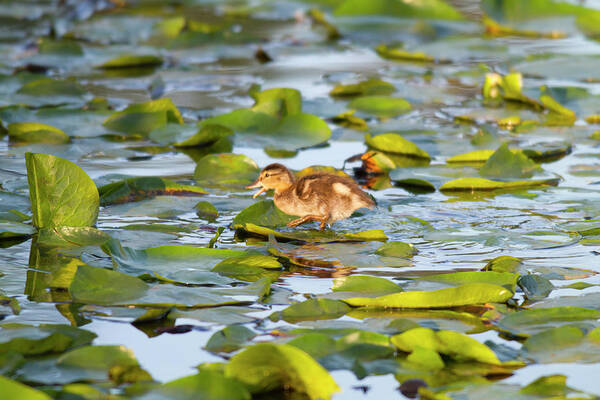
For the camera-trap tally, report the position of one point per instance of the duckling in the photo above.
(321, 197)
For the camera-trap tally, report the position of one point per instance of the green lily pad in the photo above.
(318, 237)
(136, 189)
(349, 120)
(132, 61)
(398, 53)
(527, 322)
(466, 294)
(381, 106)
(312, 309)
(35, 132)
(505, 163)
(505, 279)
(229, 339)
(266, 367)
(481, 184)
(477, 156)
(61, 193)
(370, 87)
(43, 339)
(52, 87)
(226, 170)
(435, 9)
(394, 143)
(101, 286)
(206, 210)
(208, 385)
(396, 249)
(16, 390)
(61, 47)
(365, 284)
(207, 134)
(144, 117)
(535, 287)
(263, 213)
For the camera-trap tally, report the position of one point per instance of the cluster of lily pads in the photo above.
(453, 284)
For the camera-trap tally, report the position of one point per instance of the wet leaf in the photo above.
(229, 339)
(206, 211)
(435, 9)
(381, 106)
(61, 193)
(132, 61)
(394, 143)
(226, 170)
(477, 156)
(349, 120)
(312, 309)
(101, 286)
(11, 230)
(207, 134)
(263, 213)
(535, 287)
(505, 163)
(477, 184)
(313, 236)
(34, 132)
(265, 367)
(136, 189)
(52, 87)
(466, 294)
(530, 321)
(15, 390)
(144, 117)
(278, 102)
(398, 53)
(396, 249)
(45, 338)
(504, 264)
(365, 284)
(370, 87)
(208, 385)
(553, 339)
(505, 279)
(253, 261)
(62, 47)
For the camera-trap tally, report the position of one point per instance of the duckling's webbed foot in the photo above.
(309, 218)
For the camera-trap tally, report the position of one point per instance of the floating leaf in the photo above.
(381, 106)
(265, 367)
(396, 249)
(226, 170)
(505, 279)
(52, 87)
(136, 189)
(349, 120)
(254, 261)
(394, 143)
(61, 47)
(312, 309)
(526, 322)
(467, 294)
(477, 156)
(61, 193)
(318, 18)
(476, 184)
(278, 102)
(208, 134)
(45, 338)
(370, 87)
(207, 385)
(365, 284)
(101, 286)
(132, 61)
(435, 9)
(317, 237)
(229, 339)
(144, 117)
(35, 132)
(206, 211)
(263, 213)
(12, 230)
(398, 53)
(16, 390)
(505, 163)
(535, 287)
(504, 264)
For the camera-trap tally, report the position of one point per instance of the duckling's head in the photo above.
(273, 176)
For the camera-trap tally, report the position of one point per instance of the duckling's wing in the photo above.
(310, 186)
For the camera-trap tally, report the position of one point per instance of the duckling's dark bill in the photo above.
(255, 185)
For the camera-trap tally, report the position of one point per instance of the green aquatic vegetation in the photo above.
(132, 61)
(370, 87)
(381, 106)
(34, 132)
(135, 189)
(396, 144)
(144, 117)
(226, 170)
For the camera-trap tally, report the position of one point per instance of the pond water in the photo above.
(206, 59)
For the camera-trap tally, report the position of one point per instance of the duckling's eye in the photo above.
(267, 175)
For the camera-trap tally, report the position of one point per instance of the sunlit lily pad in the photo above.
(226, 170)
(265, 367)
(312, 309)
(394, 143)
(304, 236)
(398, 53)
(369, 87)
(476, 184)
(144, 117)
(381, 106)
(435, 9)
(16, 390)
(505, 279)
(365, 284)
(34, 132)
(466, 294)
(132, 61)
(263, 213)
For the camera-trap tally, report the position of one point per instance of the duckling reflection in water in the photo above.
(321, 197)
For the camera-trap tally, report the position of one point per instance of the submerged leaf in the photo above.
(61, 193)
(505, 163)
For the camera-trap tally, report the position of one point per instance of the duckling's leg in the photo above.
(309, 218)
